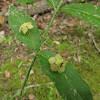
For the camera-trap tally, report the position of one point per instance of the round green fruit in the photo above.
(54, 67)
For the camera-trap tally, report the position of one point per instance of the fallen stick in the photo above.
(95, 44)
(33, 86)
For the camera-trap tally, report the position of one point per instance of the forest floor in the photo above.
(75, 39)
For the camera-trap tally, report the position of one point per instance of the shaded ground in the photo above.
(67, 34)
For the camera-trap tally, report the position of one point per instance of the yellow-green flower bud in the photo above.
(25, 27)
(24, 30)
(29, 25)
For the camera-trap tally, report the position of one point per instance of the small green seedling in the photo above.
(57, 63)
(25, 27)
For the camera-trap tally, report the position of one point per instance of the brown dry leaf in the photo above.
(31, 97)
(44, 75)
(2, 34)
(23, 78)
(7, 74)
(98, 3)
(62, 27)
(2, 20)
(9, 43)
(75, 58)
(30, 60)
(56, 42)
(11, 59)
(57, 38)
(31, 72)
(16, 98)
(64, 54)
(0, 85)
(79, 58)
(65, 37)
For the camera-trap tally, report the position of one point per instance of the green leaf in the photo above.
(53, 3)
(69, 83)
(24, 2)
(16, 18)
(87, 12)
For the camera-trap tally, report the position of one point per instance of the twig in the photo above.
(78, 44)
(95, 44)
(37, 85)
(91, 36)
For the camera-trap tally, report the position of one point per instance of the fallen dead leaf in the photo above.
(2, 20)
(9, 43)
(57, 38)
(7, 74)
(31, 72)
(2, 34)
(65, 37)
(79, 58)
(11, 59)
(64, 54)
(31, 97)
(56, 42)
(44, 75)
(0, 85)
(23, 78)
(75, 58)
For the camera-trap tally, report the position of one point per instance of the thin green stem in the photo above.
(27, 76)
(43, 39)
(45, 34)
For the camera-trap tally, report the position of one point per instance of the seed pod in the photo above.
(59, 60)
(57, 63)
(62, 67)
(52, 60)
(54, 67)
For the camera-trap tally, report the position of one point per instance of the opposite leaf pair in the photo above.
(57, 63)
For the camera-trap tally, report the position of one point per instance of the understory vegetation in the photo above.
(77, 46)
